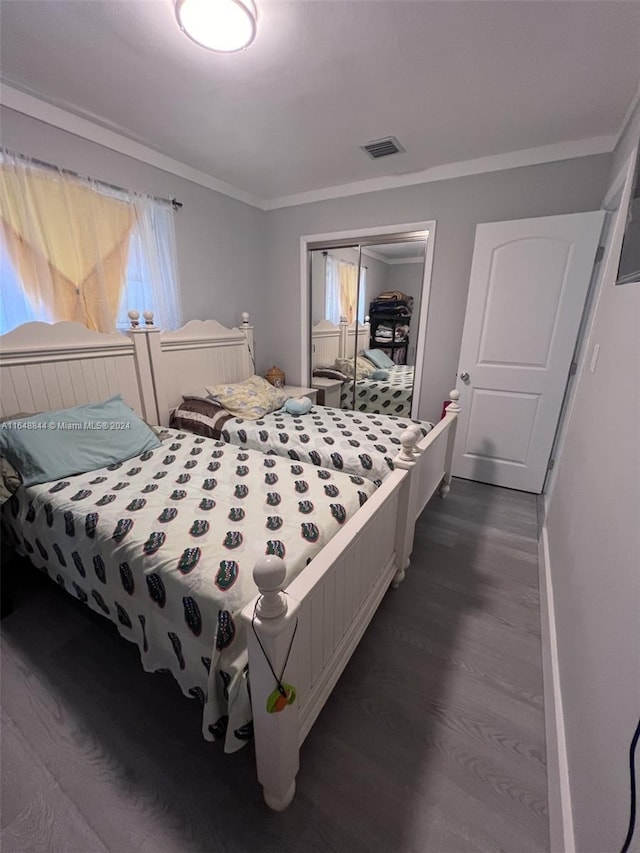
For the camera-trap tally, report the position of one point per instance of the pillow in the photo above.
(252, 399)
(203, 417)
(298, 405)
(58, 444)
(378, 358)
(380, 375)
(330, 373)
(363, 368)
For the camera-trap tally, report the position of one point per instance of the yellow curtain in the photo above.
(348, 276)
(68, 242)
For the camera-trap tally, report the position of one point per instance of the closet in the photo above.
(365, 294)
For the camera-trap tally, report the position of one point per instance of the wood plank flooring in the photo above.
(432, 741)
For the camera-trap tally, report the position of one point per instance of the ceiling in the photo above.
(453, 81)
(392, 253)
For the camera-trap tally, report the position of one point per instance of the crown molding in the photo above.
(49, 113)
(417, 260)
(493, 163)
(371, 253)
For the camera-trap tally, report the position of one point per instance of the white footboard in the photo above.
(329, 606)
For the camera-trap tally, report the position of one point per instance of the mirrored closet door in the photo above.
(365, 305)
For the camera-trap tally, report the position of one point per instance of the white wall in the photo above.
(593, 533)
(457, 206)
(220, 240)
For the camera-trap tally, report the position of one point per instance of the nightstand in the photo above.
(328, 391)
(300, 391)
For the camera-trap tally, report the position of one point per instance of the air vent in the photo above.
(382, 147)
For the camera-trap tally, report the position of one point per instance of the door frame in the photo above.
(425, 229)
(615, 203)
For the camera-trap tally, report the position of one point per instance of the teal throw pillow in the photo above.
(378, 358)
(84, 438)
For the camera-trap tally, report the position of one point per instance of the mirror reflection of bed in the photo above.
(365, 302)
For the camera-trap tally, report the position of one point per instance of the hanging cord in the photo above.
(632, 768)
(281, 689)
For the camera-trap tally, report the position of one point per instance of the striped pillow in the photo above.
(199, 416)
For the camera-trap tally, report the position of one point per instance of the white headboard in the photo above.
(201, 353)
(46, 366)
(325, 348)
(362, 332)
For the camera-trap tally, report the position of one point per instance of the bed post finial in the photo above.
(269, 574)
(454, 405)
(415, 429)
(406, 458)
(134, 318)
(148, 318)
(245, 318)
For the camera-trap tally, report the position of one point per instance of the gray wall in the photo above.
(594, 556)
(457, 206)
(220, 240)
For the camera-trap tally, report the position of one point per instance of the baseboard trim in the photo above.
(561, 834)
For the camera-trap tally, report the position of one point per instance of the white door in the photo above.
(528, 285)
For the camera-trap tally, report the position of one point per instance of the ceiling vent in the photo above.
(382, 147)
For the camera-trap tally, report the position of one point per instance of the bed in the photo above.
(307, 631)
(209, 353)
(390, 396)
(164, 546)
(360, 444)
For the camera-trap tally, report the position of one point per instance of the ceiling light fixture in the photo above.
(221, 25)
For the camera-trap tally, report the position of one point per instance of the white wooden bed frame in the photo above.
(46, 367)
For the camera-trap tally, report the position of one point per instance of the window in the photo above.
(73, 249)
(15, 308)
(341, 290)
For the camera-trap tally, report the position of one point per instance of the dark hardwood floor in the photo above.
(433, 739)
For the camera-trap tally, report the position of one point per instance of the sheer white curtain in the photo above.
(332, 289)
(152, 272)
(362, 295)
(72, 248)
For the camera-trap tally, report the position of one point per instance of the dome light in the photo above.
(221, 25)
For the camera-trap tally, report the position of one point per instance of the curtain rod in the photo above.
(325, 253)
(175, 204)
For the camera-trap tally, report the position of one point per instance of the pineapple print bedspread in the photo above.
(164, 545)
(390, 396)
(358, 443)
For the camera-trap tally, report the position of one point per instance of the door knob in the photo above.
(464, 376)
